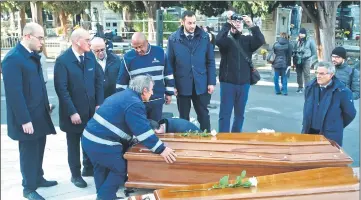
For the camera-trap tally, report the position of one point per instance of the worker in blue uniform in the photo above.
(173, 125)
(148, 59)
(121, 120)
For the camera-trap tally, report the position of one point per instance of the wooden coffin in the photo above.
(206, 159)
(331, 183)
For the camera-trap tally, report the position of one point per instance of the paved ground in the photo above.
(264, 110)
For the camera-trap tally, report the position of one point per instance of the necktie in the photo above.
(190, 37)
(81, 60)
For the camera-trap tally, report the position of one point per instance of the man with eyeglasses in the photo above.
(148, 59)
(28, 111)
(109, 62)
(347, 74)
(329, 106)
(78, 81)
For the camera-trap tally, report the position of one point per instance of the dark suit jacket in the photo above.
(26, 96)
(79, 88)
(196, 65)
(111, 74)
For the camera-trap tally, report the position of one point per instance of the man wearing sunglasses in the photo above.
(109, 62)
(28, 117)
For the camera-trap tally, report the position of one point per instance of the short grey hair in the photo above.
(140, 82)
(328, 65)
(77, 34)
(97, 40)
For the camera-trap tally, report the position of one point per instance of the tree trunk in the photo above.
(22, 19)
(151, 8)
(63, 21)
(127, 15)
(37, 12)
(327, 17)
(318, 41)
(12, 21)
(56, 21)
(324, 23)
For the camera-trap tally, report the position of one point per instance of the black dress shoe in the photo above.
(79, 182)
(87, 172)
(45, 183)
(33, 195)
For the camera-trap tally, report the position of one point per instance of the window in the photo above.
(107, 24)
(114, 24)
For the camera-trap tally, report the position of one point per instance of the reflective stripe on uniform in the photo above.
(98, 140)
(111, 127)
(121, 86)
(157, 145)
(146, 69)
(169, 89)
(145, 135)
(169, 77)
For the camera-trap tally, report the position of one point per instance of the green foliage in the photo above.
(207, 8)
(196, 133)
(169, 26)
(224, 182)
(13, 6)
(253, 8)
(138, 26)
(69, 7)
(117, 6)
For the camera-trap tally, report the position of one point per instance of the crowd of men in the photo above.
(108, 104)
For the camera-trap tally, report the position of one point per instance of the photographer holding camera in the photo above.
(304, 55)
(235, 68)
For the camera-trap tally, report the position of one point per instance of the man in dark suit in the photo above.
(109, 62)
(191, 56)
(27, 104)
(78, 81)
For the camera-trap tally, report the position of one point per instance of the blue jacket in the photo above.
(196, 65)
(337, 106)
(153, 63)
(178, 125)
(121, 117)
(111, 74)
(26, 95)
(79, 89)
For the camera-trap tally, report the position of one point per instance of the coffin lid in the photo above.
(306, 182)
(267, 148)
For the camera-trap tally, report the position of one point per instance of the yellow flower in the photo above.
(264, 51)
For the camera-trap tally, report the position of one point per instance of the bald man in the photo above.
(27, 104)
(109, 62)
(78, 81)
(148, 59)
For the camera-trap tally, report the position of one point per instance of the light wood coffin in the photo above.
(206, 159)
(331, 183)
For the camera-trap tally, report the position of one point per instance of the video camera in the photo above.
(236, 17)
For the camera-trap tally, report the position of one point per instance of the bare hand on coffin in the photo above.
(169, 155)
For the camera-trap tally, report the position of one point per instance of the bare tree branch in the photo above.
(308, 13)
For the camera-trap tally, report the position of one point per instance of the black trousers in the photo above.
(200, 103)
(73, 142)
(31, 162)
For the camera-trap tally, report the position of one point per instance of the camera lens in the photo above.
(236, 17)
